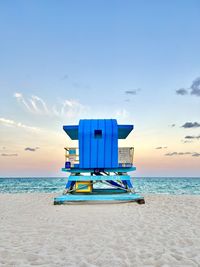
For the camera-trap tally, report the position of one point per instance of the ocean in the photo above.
(158, 185)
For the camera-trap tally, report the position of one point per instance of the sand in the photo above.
(163, 232)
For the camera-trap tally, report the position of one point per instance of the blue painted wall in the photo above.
(98, 143)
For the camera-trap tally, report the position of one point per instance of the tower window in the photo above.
(98, 133)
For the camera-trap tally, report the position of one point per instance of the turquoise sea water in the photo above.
(175, 186)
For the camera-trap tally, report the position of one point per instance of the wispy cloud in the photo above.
(194, 89)
(9, 155)
(68, 108)
(32, 149)
(39, 105)
(33, 104)
(191, 125)
(192, 137)
(161, 147)
(11, 123)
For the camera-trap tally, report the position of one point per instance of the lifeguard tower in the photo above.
(98, 167)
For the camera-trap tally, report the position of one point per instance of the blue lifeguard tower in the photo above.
(98, 167)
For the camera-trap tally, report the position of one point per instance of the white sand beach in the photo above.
(163, 232)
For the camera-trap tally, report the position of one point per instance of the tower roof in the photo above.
(72, 130)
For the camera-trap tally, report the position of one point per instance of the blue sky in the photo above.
(65, 60)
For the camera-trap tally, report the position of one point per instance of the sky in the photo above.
(137, 61)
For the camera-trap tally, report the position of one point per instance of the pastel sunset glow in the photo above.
(135, 61)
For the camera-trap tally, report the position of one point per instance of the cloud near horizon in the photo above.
(191, 125)
(196, 154)
(32, 149)
(192, 137)
(9, 155)
(186, 141)
(11, 123)
(193, 154)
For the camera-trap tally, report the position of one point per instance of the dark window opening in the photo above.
(98, 133)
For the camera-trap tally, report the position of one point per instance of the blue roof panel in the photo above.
(71, 131)
(124, 131)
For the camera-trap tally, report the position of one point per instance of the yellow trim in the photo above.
(83, 186)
